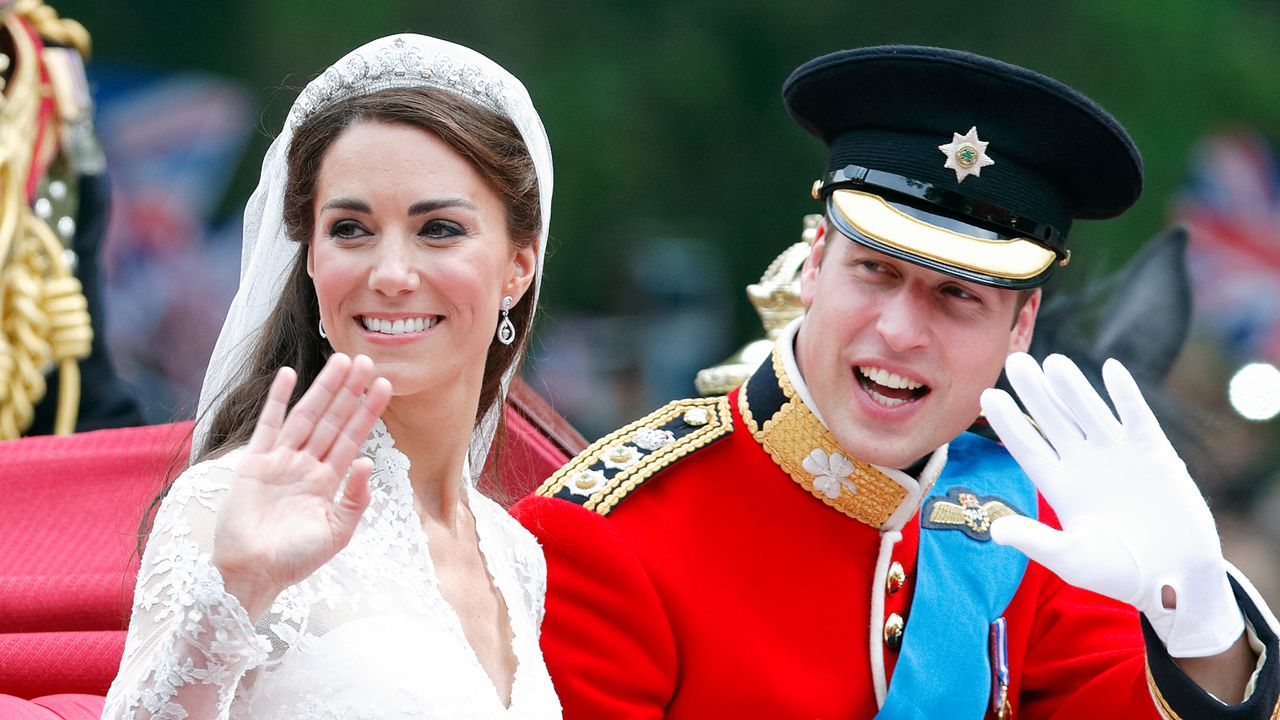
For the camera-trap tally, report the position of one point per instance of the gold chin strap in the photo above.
(44, 318)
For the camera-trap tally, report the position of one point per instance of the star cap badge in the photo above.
(966, 154)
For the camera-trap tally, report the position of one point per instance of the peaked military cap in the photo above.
(961, 163)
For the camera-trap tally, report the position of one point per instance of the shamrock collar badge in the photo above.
(966, 154)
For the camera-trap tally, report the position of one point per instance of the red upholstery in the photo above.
(69, 513)
(66, 706)
(68, 527)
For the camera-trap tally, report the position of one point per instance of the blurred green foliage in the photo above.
(665, 117)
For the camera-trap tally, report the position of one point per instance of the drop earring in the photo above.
(506, 330)
(323, 334)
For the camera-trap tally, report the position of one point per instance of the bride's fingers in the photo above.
(353, 435)
(344, 404)
(355, 498)
(273, 412)
(304, 416)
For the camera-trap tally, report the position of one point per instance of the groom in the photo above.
(827, 541)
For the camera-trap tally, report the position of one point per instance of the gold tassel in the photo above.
(44, 318)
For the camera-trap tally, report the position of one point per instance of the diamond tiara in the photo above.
(398, 65)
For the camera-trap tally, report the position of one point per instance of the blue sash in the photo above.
(962, 586)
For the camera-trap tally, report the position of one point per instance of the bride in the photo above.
(307, 564)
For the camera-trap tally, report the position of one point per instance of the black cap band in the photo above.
(978, 212)
(1008, 186)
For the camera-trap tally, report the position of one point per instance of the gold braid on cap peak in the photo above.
(44, 317)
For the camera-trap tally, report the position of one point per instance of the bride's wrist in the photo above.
(254, 591)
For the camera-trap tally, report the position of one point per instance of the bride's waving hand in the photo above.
(332, 557)
(283, 516)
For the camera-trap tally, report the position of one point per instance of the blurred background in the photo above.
(679, 177)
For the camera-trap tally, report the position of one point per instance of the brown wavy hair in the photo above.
(488, 139)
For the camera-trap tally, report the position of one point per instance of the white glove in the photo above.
(1133, 520)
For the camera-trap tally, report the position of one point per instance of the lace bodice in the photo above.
(368, 635)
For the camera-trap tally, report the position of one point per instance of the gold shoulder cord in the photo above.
(44, 318)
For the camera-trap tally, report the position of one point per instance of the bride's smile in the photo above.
(411, 256)
(328, 554)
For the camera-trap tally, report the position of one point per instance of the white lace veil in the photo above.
(404, 60)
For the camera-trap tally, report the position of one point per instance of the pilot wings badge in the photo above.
(961, 509)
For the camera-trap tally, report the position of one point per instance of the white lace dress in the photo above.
(368, 635)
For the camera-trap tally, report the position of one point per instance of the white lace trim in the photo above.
(192, 652)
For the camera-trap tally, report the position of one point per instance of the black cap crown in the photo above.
(945, 134)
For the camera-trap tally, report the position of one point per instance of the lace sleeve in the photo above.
(190, 642)
(537, 583)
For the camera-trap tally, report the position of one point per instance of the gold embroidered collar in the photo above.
(801, 445)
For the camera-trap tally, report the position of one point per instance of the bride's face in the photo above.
(411, 256)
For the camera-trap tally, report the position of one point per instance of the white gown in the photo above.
(367, 636)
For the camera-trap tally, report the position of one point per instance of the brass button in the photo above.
(896, 578)
(893, 627)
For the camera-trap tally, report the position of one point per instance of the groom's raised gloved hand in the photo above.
(1133, 520)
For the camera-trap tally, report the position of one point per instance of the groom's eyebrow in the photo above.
(427, 206)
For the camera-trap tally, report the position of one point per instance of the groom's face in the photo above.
(896, 355)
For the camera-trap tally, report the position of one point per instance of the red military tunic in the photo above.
(696, 570)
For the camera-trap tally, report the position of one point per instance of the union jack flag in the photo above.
(1231, 206)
